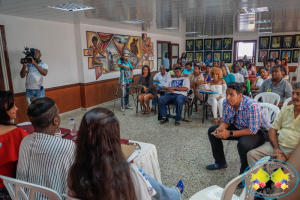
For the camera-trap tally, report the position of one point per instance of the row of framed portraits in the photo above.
(210, 56)
(290, 55)
(209, 44)
(279, 42)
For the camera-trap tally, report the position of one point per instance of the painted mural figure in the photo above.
(133, 46)
(96, 51)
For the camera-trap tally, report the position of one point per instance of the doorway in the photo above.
(171, 48)
(5, 75)
(245, 47)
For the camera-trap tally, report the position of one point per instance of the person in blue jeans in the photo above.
(34, 72)
(126, 73)
(177, 93)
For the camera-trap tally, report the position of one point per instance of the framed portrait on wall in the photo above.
(287, 54)
(190, 56)
(207, 44)
(276, 42)
(264, 42)
(287, 41)
(217, 56)
(274, 55)
(295, 55)
(297, 41)
(227, 43)
(227, 56)
(189, 45)
(262, 55)
(198, 44)
(218, 44)
(199, 57)
(207, 57)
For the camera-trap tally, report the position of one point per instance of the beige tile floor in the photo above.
(183, 151)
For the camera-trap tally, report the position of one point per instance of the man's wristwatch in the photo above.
(230, 134)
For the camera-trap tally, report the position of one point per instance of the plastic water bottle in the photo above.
(73, 127)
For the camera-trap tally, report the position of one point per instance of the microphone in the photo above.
(32, 99)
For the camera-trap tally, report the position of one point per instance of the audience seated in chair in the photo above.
(197, 84)
(288, 123)
(216, 85)
(242, 69)
(251, 71)
(260, 79)
(109, 176)
(188, 69)
(206, 74)
(277, 85)
(285, 75)
(244, 121)
(10, 139)
(161, 79)
(45, 159)
(228, 78)
(239, 78)
(177, 93)
(148, 91)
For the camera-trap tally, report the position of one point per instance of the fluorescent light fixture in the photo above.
(136, 21)
(171, 28)
(260, 22)
(263, 28)
(202, 35)
(71, 7)
(265, 32)
(253, 10)
(190, 32)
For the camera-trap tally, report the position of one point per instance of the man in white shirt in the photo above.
(34, 72)
(239, 78)
(177, 88)
(159, 80)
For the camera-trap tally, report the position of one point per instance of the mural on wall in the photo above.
(104, 51)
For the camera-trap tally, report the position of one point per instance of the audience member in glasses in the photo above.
(10, 140)
(109, 176)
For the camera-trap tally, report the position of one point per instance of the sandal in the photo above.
(181, 186)
(147, 111)
(143, 111)
(216, 122)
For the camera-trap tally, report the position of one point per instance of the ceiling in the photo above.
(206, 17)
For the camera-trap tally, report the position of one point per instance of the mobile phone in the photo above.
(64, 134)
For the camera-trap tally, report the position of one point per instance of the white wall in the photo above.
(56, 42)
(89, 74)
(252, 36)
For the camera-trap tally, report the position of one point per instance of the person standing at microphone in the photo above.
(34, 72)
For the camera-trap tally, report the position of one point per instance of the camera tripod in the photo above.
(123, 87)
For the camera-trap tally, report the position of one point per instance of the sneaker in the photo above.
(164, 120)
(240, 185)
(128, 107)
(122, 109)
(216, 166)
(177, 123)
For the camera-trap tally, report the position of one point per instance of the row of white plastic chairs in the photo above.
(16, 189)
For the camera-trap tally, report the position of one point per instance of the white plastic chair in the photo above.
(15, 189)
(292, 75)
(270, 111)
(24, 123)
(217, 193)
(268, 97)
(286, 102)
(69, 198)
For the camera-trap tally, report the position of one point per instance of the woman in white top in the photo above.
(264, 75)
(100, 170)
(217, 84)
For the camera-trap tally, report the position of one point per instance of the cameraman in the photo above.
(34, 73)
(127, 70)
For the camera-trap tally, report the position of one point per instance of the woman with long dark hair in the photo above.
(285, 65)
(148, 91)
(183, 58)
(10, 138)
(100, 170)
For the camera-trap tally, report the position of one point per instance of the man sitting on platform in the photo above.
(243, 121)
(177, 88)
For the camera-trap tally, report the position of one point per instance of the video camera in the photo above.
(29, 52)
(122, 60)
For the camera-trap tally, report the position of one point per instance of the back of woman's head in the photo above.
(6, 103)
(100, 170)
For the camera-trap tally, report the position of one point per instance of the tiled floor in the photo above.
(183, 151)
